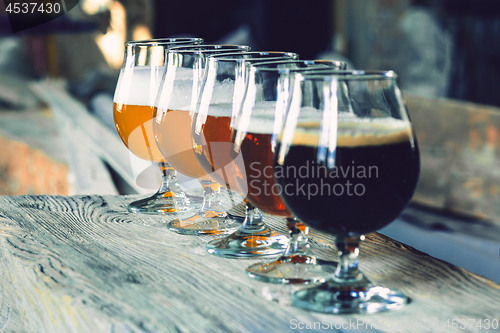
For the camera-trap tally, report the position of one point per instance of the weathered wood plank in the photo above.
(83, 263)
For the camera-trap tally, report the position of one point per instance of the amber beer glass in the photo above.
(175, 105)
(256, 128)
(133, 103)
(220, 99)
(348, 144)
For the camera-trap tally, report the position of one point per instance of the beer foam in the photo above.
(181, 99)
(183, 73)
(221, 97)
(180, 96)
(138, 86)
(220, 110)
(357, 132)
(261, 119)
(186, 83)
(224, 91)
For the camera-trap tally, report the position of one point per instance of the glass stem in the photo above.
(253, 224)
(168, 178)
(347, 271)
(211, 201)
(298, 244)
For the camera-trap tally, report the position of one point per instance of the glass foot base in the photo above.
(295, 269)
(211, 223)
(331, 297)
(163, 203)
(238, 245)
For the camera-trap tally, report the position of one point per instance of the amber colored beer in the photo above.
(257, 154)
(134, 124)
(212, 149)
(173, 136)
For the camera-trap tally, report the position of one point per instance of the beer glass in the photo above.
(348, 164)
(256, 128)
(220, 100)
(135, 95)
(176, 101)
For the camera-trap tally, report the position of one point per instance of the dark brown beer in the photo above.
(374, 176)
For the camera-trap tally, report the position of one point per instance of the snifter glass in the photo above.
(133, 102)
(175, 105)
(351, 132)
(255, 135)
(220, 100)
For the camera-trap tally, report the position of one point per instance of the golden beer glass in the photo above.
(133, 102)
(176, 102)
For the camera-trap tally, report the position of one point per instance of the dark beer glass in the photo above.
(347, 162)
(255, 133)
(220, 100)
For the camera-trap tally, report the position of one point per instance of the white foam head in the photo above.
(220, 110)
(217, 99)
(182, 96)
(179, 90)
(221, 92)
(261, 119)
(138, 85)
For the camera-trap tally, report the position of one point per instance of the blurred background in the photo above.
(440, 48)
(57, 82)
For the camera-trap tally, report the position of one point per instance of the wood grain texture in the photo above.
(84, 264)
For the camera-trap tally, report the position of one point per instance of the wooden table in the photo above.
(84, 264)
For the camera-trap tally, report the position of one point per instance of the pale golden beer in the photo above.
(173, 136)
(133, 110)
(135, 96)
(177, 99)
(134, 125)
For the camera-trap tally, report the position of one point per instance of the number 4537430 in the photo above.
(33, 8)
(472, 323)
